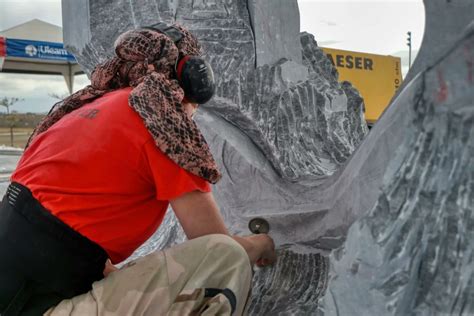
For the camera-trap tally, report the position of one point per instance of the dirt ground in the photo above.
(17, 137)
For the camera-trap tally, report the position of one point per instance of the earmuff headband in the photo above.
(180, 66)
(194, 74)
(169, 30)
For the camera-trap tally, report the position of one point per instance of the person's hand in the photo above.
(260, 249)
(268, 254)
(109, 268)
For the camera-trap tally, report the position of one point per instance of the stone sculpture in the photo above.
(412, 253)
(280, 125)
(282, 129)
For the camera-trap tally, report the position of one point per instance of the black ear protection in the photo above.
(194, 74)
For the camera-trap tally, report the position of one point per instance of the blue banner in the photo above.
(37, 50)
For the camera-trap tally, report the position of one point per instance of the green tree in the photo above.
(8, 102)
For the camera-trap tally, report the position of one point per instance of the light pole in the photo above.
(409, 49)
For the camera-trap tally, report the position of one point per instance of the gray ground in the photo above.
(8, 161)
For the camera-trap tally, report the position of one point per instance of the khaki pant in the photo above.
(171, 282)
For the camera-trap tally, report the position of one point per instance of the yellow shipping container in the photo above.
(377, 77)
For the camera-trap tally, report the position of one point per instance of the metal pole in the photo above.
(409, 49)
(409, 58)
(11, 135)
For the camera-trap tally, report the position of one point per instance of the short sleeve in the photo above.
(171, 180)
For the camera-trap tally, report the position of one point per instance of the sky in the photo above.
(371, 26)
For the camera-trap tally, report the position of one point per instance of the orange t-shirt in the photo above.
(99, 171)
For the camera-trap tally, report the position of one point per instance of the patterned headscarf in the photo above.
(145, 60)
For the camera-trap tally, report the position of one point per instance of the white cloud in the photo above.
(16, 12)
(23, 84)
(36, 90)
(328, 23)
(378, 27)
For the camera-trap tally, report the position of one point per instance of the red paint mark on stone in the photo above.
(469, 64)
(443, 88)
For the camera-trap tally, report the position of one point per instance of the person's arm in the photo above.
(199, 215)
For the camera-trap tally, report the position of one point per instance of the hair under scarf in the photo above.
(145, 60)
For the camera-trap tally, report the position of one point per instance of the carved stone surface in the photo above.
(276, 28)
(282, 134)
(279, 126)
(413, 252)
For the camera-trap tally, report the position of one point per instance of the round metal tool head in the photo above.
(259, 226)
